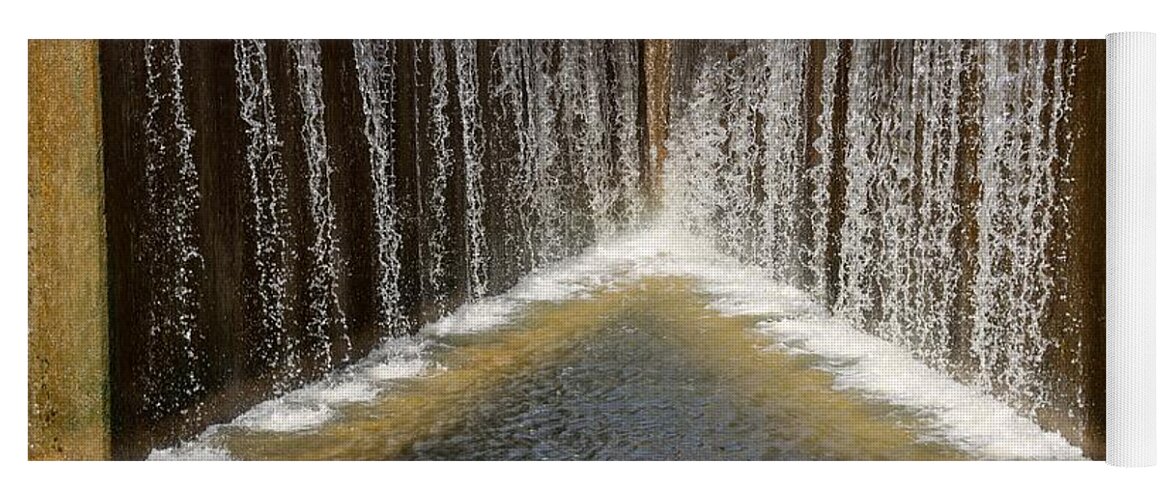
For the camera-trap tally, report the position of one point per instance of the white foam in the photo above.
(960, 415)
(195, 450)
(486, 314)
(283, 416)
(317, 403)
(406, 369)
(965, 417)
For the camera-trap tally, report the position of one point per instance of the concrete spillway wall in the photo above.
(947, 195)
(68, 397)
(276, 209)
(215, 222)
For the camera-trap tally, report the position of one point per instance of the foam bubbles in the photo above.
(957, 414)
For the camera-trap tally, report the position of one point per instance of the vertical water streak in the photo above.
(879, 176)
(541, 108)
(424, 262)
(695, 147)
(936, 272)
(783, 156)
(1015, 167)
(573, 167)
(172, 249)
(522, 184)
(736, 175)
(738, 163)
(625, 126)
(592, 137)
(268, 189)
(472, 127)
(895, 181)
(1062, 131)
(324, 307)
(819, 176)
(438, 131)
(373, 60)
(858, 264)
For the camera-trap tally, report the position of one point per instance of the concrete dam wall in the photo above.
(277, 208)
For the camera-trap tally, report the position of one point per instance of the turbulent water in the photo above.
(518, 154)
(855, 275)
(911, 186)
(641, 348)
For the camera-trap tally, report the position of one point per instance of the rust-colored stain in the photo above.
(658, 83)
(67, 390)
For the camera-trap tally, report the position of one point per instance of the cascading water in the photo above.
(325, 312)
(591, 143)
(510, 88)
(877, 224)
(758, 164)
(376, 81)
(935, 272)
(438, 220)
(817, 168)
(542, 115)
(624, 90)
(1020, 166)
(172, 257)
(416, 54)
(269, 194)
(336, 169)
(781, 158)
(739, 174)
(918, 190)
(473, 131)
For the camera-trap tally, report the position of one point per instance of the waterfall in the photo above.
(472, 133)
(331, 203)
(508, 89)
(925, 191)
(1020, 166)
(376, 81)
(590, 137)
(172, 260)
(426, 287)
(324, 310)
(573, 198)
(625, 124)
(542, 115)
(739, 173)
(935, 271)
(783, 159)
(438, 132)
(939, 139)
(695, 153)
(818, 172)
(872, 111)
(269, 198)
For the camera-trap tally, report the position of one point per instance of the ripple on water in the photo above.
(644, 373)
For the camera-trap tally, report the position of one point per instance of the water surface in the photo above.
(643, 372)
